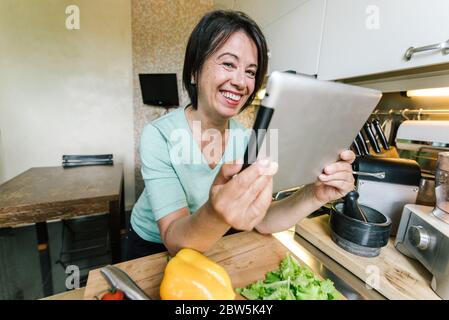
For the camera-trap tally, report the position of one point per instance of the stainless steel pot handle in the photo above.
(443, 46)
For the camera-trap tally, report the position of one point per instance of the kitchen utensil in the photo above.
(362, 143)
(119, 279)
(352, 208)
(380, 134)
(423, 236)
(351, 232)
(399, 186)
(441, 210)
(378, 175)
(372, 139)
(356, 148)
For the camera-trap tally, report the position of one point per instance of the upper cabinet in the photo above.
(365, 37)
(293, 29)
(294, 40)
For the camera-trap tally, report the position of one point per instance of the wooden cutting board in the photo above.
(246, 256)
(391, 273)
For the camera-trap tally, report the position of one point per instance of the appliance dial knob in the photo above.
(419, 237)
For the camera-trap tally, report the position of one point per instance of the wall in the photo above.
(160, 31)
(65, 91)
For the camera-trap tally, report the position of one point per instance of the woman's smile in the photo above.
(231, 98)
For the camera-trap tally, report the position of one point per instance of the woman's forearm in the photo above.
(285, 213)
(198, 231)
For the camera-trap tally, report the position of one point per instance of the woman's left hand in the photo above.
(336, 180)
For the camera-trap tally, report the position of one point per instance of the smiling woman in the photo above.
(193, 204)
(225, 65)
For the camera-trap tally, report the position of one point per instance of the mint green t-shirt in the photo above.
(175, 172)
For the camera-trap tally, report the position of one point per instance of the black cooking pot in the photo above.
(363, 238)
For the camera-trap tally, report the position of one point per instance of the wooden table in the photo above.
(55, 193)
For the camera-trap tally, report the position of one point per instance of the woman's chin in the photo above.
(228, 112)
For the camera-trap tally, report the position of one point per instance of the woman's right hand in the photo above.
(242, 199)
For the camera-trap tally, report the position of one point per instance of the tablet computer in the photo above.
(304, 124)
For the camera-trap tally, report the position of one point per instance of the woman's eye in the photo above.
(251, 73)
(228, 64)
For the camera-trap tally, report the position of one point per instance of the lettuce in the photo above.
(290, 282)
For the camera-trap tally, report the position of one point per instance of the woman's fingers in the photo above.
(254, 204)
(227, 171)
(263, 200)
(347, 156)
(341, 175)
(255, 189)
(338, 166)
(262, 167)
(343, 186)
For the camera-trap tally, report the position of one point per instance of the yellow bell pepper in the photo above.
(192, 276)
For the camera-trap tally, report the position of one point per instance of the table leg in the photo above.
(114, 228)
(44, 257)
(122, 207)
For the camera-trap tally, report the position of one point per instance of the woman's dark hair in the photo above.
(213, 30)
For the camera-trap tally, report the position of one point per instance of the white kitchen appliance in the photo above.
(424, 231)
(392, 183)
(422, 141)
(424, 237)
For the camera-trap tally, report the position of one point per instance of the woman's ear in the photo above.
(192, 80)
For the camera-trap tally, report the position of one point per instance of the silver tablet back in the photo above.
(312, 123)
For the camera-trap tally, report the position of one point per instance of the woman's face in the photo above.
(228, 76)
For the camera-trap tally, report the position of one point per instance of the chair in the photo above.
(85, 243)
(87, 160)
(85, 240)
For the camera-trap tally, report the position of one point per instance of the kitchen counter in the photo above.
(246, 256)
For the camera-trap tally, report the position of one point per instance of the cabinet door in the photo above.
(265, 12)
(363, 37)
(294, 39)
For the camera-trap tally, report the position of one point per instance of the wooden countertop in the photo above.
(246, 256)
(391, 273)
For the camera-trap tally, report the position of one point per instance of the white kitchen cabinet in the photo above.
(365, 37)
(293, 30)
(265, 12)
(294, 40)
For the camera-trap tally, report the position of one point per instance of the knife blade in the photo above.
(381, 134)
(371, 137)
(361, 141)
(119, 279)
(356, 148)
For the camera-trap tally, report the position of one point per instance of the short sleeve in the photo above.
(162, 185)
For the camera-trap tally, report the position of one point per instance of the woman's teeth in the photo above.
(231, 96)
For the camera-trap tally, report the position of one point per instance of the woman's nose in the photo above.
(238, 79)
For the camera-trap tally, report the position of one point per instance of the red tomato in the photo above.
(113, 294)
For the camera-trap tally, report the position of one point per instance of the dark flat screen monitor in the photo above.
(159, 89)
